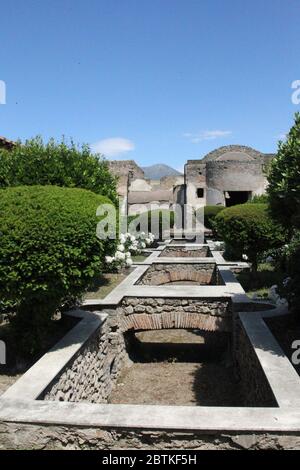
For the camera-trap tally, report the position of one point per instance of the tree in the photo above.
(284, 180)
(52, 163)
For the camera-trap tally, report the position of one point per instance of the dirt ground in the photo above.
(6, 381)
(175, 367)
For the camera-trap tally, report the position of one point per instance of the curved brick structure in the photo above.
(157, 314)
(160, 274)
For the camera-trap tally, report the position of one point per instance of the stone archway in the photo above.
(140, 314)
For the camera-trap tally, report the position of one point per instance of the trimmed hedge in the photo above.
(210, 212)
(249, 229)
(49, 254)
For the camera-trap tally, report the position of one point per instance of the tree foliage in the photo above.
(284, 179)
(60, 164)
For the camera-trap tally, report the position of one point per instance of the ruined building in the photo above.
(226, 176)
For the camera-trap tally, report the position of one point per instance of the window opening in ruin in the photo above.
(200, 192)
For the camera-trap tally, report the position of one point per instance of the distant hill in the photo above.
(155, 172)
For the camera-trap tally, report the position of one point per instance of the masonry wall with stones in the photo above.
(177, 252)
(19, 436)
(92, 373)
(224, 176)
(182, 241)
(94, 370)
(229, 168)
(254, 386)
(201, 274)
(125, 171)
(147, 313)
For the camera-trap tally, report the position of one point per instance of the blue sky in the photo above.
(152, 80)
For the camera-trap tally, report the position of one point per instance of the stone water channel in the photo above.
(179, 331)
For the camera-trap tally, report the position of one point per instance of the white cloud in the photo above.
(206, 135)
(113, 146)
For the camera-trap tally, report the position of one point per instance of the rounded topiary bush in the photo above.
(210, 212)
(249, 229)
(49, 254)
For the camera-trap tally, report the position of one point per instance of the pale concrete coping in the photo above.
(187, 246)
(172, 418)
(189, 292)
(221, 261)
(183, 260)
(128, 288)
(280, 374)
(44, 371)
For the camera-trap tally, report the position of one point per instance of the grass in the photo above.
(258, 284)
(139, 258)
(105, 284)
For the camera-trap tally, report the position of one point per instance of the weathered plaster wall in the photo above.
(195, 177)
(124, 170)
(233, 176)
(230, 168)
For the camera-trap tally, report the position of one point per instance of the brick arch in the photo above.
(173, 320)
(151, 313)
(158, 278)
(198, 277)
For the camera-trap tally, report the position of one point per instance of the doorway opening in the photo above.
(232, 198)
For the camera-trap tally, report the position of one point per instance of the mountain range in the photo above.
(155, 172)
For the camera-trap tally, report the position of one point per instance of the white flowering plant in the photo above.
(129, 245)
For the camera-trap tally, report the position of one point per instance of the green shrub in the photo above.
(37, 163)
(210, 212)
(248, 229)
(290, 260)
(49, 254)
(152, 221)
(284, 180)
(261, 199)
